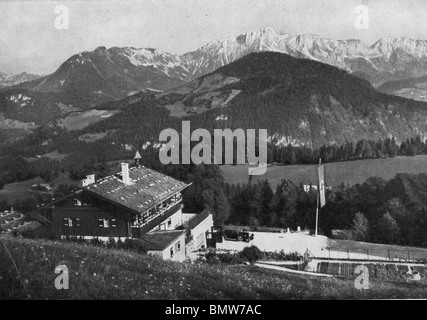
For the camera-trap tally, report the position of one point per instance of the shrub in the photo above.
(251, 254)
(80, 240)
(15, 233)
(291, 256)
(111, 243)
(96, 242)
(210, 255)
(132, 245)
(230, 258)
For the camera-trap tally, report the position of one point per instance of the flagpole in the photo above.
(317, 203)
(317, 212)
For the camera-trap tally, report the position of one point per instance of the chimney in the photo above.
(125, 173)
(89, 180)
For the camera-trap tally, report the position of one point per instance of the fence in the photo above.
(373, 254)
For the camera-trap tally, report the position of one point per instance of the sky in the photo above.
(30, 42)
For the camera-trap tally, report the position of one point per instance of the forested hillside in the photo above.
(390, 212)
(310, 109)
(298, 101)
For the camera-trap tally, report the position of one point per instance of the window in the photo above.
(77, 202)
(107, 223)
(67, 222)
(171, 252)
(71, 222)
(169, 222)
(178, 246)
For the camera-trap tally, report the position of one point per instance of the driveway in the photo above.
(274, 241)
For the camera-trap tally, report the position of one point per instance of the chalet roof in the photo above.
(160, 240)
(146, 189)
(199, 218)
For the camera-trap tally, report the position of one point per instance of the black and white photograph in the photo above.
(236, 151)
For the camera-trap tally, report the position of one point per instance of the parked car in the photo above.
(238, 235)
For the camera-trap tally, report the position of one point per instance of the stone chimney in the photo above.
(89, 180)
(125, 173)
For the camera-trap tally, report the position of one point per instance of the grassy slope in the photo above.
(20, 190)
(349, 172)
(98, 273)
(80, 120)
(54, 155)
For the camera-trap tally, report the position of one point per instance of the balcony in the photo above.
(142, 221)
(138, 231)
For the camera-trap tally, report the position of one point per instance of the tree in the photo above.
(293, 158)
(367, 151)
(209, 198)
(388, 230)
(359, 231)
(221, 207)
(264, 196)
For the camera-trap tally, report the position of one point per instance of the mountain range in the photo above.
(88, 79)
(9, 79)
(387, 59)
(299, 101)
(116, 72)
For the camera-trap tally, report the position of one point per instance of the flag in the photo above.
(321, 185)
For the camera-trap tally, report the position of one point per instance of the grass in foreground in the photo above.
(100, 273)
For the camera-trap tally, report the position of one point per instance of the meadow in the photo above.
(347, 172)
(21, 190)
(82, 119)
(102, 273)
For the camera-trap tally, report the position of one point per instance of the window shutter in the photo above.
(65, 222)
(113, 223)
(100, 223)
(78, 222)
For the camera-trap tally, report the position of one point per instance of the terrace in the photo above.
(158, 210)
